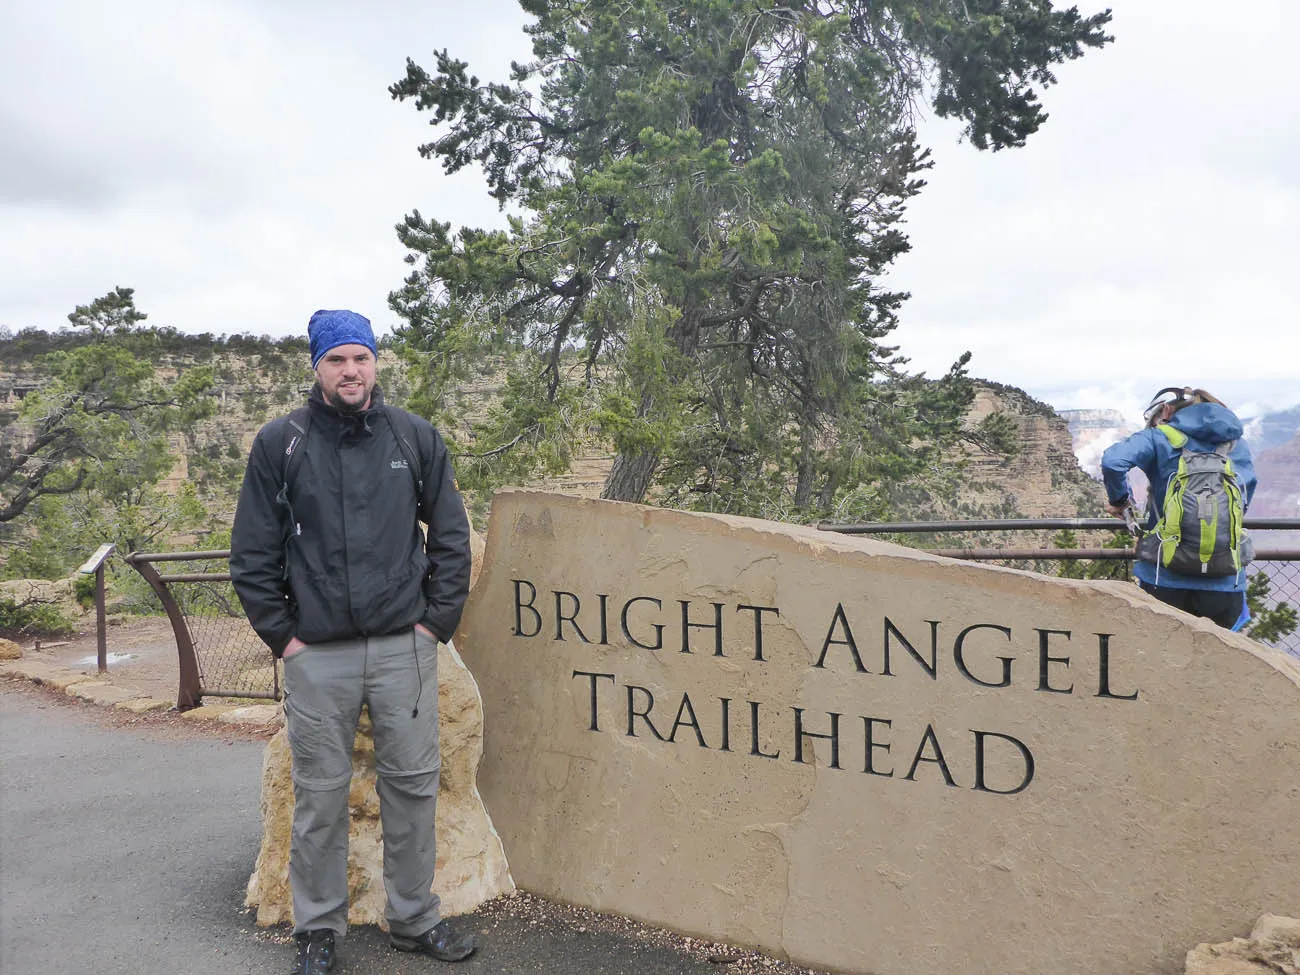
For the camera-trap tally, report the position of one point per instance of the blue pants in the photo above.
(396, 677)
(1224, 608)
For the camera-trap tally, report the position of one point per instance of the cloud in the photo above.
(1154, 221)
(35, 168)
(241, 163)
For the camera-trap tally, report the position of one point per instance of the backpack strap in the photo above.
(1177, 439)
(294, 432)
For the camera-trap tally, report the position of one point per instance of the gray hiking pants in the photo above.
(325, 685)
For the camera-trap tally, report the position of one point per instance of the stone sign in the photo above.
(862, 757)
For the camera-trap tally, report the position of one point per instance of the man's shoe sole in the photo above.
(411, 945)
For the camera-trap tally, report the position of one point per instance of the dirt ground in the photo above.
(141, 653)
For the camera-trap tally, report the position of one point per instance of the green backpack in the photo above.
(1200, 532)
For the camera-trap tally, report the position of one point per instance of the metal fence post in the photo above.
(189, 693)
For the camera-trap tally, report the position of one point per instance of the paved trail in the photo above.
(124, 850)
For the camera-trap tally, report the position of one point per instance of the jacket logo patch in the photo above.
(399, 465)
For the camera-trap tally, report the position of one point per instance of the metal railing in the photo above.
(1281, 564)
(1023, 524)
(219, 654)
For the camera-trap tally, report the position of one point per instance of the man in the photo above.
(337, 579)
(1179, 418)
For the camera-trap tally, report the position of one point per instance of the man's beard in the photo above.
(339, 403)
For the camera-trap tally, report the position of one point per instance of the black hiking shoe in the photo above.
(442, 941)
(315, 952)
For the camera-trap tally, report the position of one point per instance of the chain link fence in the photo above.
(232, 659)
(1284, 588)
(220, 655)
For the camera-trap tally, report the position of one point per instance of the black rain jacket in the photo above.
(358, 564)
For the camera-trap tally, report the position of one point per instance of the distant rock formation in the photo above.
(1275, 429)
(1278, 493)
(1093, 431)
(1278, 470)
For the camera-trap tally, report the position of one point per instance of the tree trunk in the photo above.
(629, 478)
(803, 489)
(827, 494)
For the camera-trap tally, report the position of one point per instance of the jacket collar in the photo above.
(345, 422)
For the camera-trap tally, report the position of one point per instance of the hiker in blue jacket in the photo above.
(1178, 419)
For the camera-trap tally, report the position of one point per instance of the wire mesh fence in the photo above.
(221, 655)
(232, 659)
(1284, 589)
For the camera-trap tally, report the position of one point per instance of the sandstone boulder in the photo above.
(866, 758)
(1273, 948)
(58, 592)
(1274, 927)
(471, 867)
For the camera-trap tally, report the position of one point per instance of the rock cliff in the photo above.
(257, 380)
(1043, 479)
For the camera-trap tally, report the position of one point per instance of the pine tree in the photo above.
(708, 193)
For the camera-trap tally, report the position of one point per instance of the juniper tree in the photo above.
(104, 416)
(705, 196)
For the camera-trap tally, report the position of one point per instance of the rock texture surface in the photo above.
(868, 758)
(471, 867)
(56, 592)
(1273, 948)
(1043, 480)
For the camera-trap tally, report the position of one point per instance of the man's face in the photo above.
(346, 374)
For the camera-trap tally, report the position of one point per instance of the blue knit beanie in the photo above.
(329, 329)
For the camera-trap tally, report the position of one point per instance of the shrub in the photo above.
(32, 619)
(83, 587)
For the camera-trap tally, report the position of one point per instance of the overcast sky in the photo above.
(240, 164)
